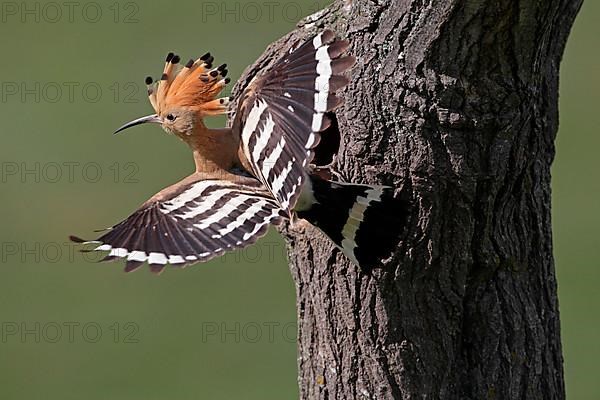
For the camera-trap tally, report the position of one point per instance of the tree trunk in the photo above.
(455, 104)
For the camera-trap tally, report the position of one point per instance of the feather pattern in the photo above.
(196, 85)
(283, 111)
(197, 222)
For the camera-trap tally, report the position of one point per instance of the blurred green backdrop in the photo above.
(71, 329)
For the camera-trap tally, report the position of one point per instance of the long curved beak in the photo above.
(154, 119)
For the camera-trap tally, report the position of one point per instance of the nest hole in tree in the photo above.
(329, 145)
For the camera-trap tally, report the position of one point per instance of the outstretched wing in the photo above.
(196, 223)
(282, 112)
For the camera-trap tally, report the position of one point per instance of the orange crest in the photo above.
(194, 86)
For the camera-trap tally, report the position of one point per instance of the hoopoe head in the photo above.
(185, 95)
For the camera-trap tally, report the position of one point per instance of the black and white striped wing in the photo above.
(282, 112)
(199, 222)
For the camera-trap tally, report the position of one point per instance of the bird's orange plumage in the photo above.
(195, 86)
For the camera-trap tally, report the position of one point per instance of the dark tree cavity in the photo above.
(455, 103)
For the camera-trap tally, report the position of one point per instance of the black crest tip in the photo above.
(189, 63)
(222, 67)
(169, 57)
(176, 59)
(227, 80)
(205, 57)
(149, 80)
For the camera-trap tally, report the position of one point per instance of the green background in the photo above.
(224, 330)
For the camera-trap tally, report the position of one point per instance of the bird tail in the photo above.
(364, 221)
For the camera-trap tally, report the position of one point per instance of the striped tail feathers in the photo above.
(365, 221)
(196, 85)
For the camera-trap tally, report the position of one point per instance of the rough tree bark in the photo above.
(454, 103)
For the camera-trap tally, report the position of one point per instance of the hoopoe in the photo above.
(256, 173)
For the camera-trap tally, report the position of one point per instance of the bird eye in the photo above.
(171, 117)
